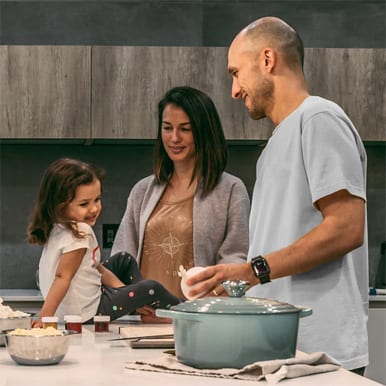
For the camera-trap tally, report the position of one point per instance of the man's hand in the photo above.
(209, 280)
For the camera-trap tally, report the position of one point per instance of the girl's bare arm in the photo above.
(67, 267)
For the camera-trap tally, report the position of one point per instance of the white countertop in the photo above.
(377, 298)
(94, 360)
(21, 295)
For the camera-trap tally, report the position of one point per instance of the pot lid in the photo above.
(235, 305)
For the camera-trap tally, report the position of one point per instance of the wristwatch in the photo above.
(261, 269)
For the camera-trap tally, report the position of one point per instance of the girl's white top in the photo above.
(84, 293)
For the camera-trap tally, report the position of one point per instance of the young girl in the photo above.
(72, 279)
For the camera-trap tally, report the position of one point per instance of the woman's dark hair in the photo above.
(209, 140)
(57, 189)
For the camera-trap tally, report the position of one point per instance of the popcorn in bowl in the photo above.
(10, 319)
(7, 312)
(36, 331)
(37, 346)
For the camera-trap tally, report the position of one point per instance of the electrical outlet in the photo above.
(109, 232)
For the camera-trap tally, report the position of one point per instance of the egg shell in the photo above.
(185, 288)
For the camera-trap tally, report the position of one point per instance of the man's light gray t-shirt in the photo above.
(314, 152)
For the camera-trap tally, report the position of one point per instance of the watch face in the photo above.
(261, 266)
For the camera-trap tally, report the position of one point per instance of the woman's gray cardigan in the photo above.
(220, 221)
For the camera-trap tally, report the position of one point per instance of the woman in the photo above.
(189, 212)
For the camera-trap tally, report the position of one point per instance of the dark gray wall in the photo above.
(329, 23)
(21, 167)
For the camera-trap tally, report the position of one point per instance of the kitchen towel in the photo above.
(273, 371)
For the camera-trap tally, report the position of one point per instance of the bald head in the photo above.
(275, 33)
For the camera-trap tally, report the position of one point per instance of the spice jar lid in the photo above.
(73, 318)
(101, 318)
(50, 319)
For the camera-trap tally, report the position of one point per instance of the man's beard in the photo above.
(261, 99)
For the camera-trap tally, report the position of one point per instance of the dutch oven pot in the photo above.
(219, 332)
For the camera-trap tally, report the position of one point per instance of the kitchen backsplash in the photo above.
(21, 167)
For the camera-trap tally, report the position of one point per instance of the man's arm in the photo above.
(341, 231)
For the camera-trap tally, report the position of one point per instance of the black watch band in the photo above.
(261, 269)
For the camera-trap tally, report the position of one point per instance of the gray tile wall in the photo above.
(21, 167)
(328, 23)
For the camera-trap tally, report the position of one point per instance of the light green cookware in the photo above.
(219, 332)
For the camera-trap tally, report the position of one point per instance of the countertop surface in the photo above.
(377, 298)
(94, 360)
(20, 295)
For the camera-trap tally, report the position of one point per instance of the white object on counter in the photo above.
(377, 291)
(376, 326)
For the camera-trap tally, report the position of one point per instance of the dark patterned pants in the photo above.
(136, 293)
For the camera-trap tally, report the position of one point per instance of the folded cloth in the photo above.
(272, 371)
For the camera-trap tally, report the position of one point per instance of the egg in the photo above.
(184, 276)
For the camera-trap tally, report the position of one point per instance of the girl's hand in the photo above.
(155, 319)
(108, 278)
(148, 315)
(145, 311)
(37, 323)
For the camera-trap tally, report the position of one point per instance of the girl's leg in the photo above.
(117, 302)
(124, 267)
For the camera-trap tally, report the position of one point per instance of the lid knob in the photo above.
(235, 288)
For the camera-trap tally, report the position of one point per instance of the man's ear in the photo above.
(269, 59)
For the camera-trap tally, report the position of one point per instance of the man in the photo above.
(308, 238)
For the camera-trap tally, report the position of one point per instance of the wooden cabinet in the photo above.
(60, 92)
(45, 92)
(128, 82)
(355, 79)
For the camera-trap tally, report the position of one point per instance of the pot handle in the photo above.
(178, 314)
(164, 313)
(304, 311)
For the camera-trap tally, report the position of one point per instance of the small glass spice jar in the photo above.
(73, 323)
(101, 323)
(50, 321)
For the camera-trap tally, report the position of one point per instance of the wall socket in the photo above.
(109, 232)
